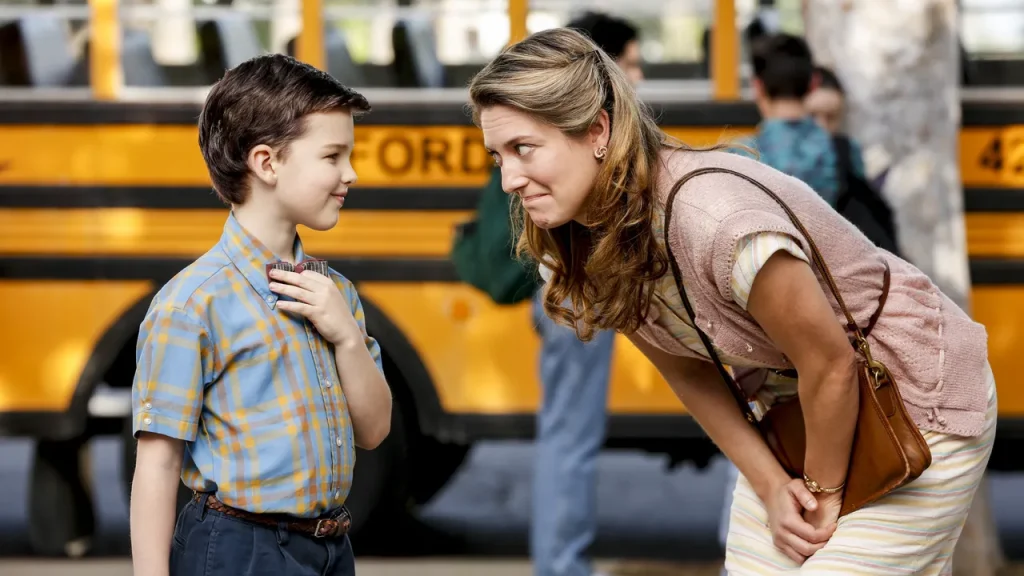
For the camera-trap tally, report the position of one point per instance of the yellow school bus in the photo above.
(103, 200)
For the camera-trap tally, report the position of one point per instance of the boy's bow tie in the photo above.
(312, 264)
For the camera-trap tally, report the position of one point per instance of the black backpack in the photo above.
(861, 203)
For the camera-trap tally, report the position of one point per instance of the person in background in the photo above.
(827, 102)
(788, 138)
(617, 37)
(574, 377)
(827, 105)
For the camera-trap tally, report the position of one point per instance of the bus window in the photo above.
(992, 34)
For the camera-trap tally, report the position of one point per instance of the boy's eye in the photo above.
(332, 156)
(496, 158)
(522, 148)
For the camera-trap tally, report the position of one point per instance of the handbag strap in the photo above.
(881, 301)
(819, 261)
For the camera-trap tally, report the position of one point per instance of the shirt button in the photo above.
(149, 405)
(338, 441)
(337, 495)
(270, 299)
(147, 421)
(328, 383)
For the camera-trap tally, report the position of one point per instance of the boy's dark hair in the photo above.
(784, 65)
(755, 32)
(611, 34)
(263, 101)
(828, 80)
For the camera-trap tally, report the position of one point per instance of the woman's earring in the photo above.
(600, 152)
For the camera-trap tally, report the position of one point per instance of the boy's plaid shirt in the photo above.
(253, 392)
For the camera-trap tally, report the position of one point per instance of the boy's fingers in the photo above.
(292, 278)
(296, 307)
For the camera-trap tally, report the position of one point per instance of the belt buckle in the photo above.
(316, 532)
(344, 519)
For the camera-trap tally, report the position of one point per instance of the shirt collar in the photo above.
(775, 123)
(250, 256)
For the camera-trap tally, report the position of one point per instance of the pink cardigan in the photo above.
(937, 354)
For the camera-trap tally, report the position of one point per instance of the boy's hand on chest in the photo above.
(318, 299)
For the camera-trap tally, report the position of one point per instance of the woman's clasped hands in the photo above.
(801, 523)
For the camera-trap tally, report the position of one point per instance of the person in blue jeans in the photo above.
(790, 140)
(570, 432)
(574, 378)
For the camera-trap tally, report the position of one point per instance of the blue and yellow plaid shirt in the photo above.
(803, 149)
(253, 391)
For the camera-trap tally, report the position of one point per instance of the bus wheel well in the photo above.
(111, 362)
(122, 369)
(404, 366)
(433, 459)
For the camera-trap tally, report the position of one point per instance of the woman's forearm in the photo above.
(700, 388)
(707, 399)
(830, 403)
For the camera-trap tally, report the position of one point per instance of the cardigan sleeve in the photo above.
(729, 235)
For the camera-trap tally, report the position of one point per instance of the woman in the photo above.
(593, 171)
(827, 104)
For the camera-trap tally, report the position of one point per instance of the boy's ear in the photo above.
(261, 163)
(758, 88)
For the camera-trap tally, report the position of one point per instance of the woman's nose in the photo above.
(512, 181)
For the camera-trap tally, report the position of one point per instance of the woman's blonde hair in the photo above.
(604, 269)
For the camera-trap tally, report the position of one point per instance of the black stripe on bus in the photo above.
(411, 198)
(161, 269)
(997, 271)
(199, 198)
(994, 200)
(984, 271)
(698, 113)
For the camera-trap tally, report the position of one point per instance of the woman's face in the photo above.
(551, 172)
(826, 105)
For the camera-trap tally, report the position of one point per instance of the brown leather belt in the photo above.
(334, 527)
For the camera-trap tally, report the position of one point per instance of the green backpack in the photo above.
(483, 251)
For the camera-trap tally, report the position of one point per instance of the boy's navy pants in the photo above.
(209, 543)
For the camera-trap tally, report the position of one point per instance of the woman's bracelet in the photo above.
(816, 488)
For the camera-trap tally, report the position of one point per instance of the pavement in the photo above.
(439, 567)
(644, 510)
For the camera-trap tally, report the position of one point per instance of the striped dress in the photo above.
(911, 531)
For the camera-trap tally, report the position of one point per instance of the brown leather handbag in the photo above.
(888, 450)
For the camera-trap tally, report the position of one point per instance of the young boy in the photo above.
(256, 377)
